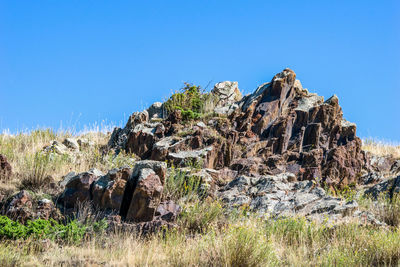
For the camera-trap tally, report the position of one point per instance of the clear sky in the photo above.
(75, 63)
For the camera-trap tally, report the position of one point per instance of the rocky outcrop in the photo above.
(278, 195)
(303, 134)
(5, 168)
(279, 128)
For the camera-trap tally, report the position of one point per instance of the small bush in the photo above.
(182, 185)
(201, 216)
(191, 101)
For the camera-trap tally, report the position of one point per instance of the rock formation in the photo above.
(279, 128)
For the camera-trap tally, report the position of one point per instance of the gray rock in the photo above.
(56, 147)
(227, 93)
(156, 111)
(274, 195)
(183, 157)
(71, 143)
(387, 187)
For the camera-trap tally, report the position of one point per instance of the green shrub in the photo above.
(73, 232)
(191, 101)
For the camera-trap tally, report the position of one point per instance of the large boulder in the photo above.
(77, 190)
(146, 196)
(5, 168)
(108, 190)
(226, 93)
(143, 191)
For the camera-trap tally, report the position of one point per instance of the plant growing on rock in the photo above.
(192, 101)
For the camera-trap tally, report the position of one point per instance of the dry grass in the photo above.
(381, 148)
(245, 241)
(32, 168)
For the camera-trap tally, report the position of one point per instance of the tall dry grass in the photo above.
(33, 168)
(381, 148)
(246, 241)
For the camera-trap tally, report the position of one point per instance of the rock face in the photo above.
(5, 168)
(278, 195)
(303, 134)
(279, 128)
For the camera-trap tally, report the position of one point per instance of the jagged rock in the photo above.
(388, 187)
(77, 190)
(293, 120)
(119, 137)
(5, 168)
(108, 191)
(20, 207)
(146, 196)
(156, 111)
(279, 128)
(227, 93)
(141, 140)
(142, 193)
(71, 143)
(274, 195)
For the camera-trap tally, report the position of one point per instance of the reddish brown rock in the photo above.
(146, 197)
(108, 191)
(20, 207)
(77, 190)
(5, 168)
(46, 210)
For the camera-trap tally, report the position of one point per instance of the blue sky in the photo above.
(75, 63)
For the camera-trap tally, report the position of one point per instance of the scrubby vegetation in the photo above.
(72, 232)
(207, 234)
(192, 101)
